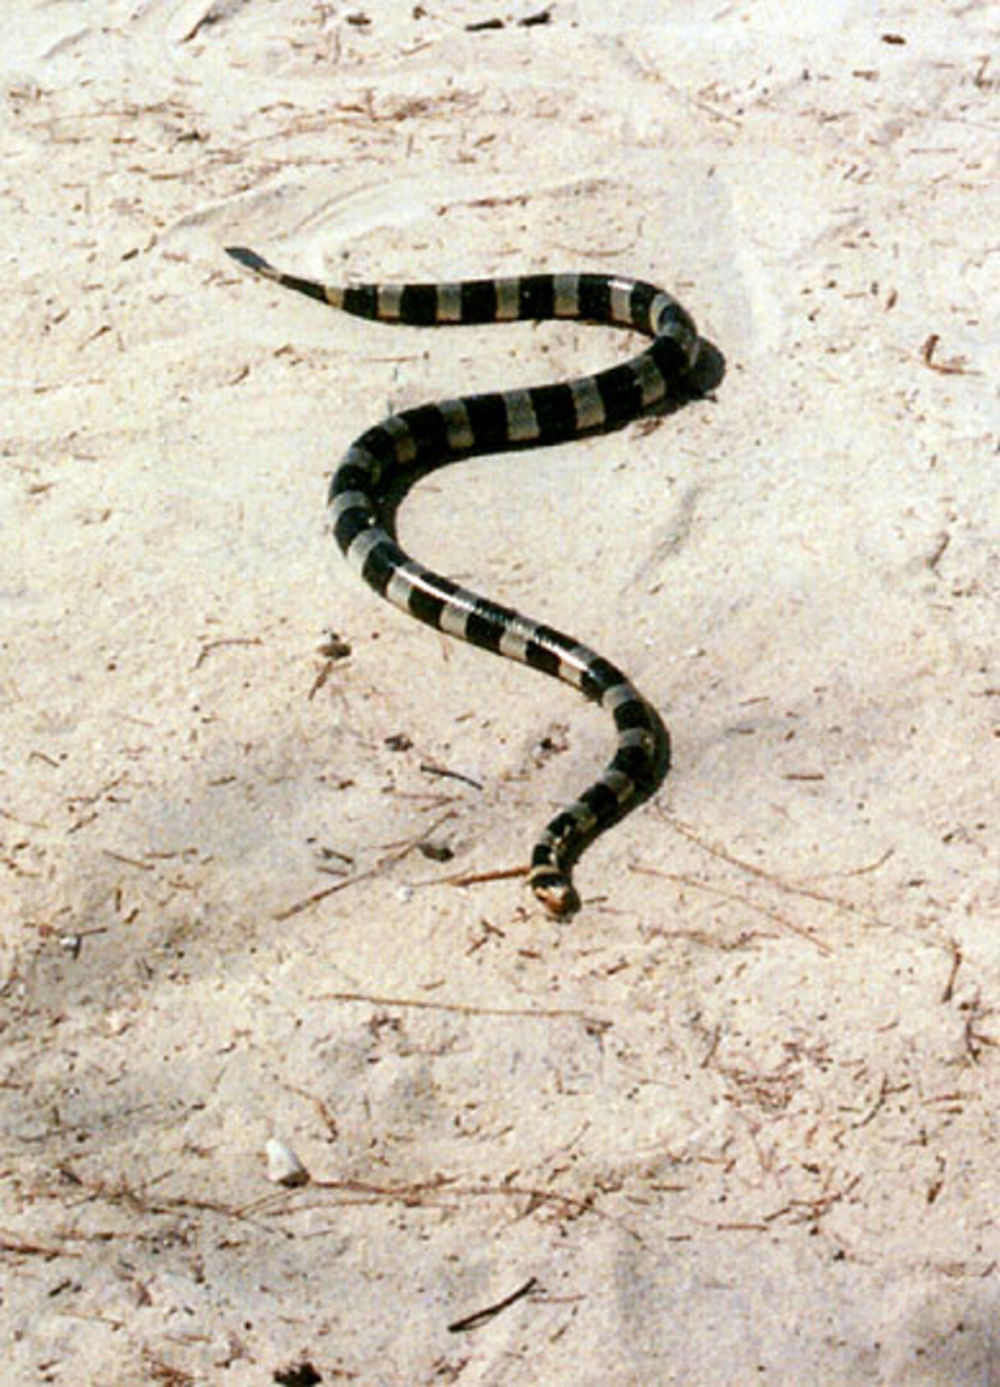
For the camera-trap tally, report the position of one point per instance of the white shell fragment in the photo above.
(283, 1166)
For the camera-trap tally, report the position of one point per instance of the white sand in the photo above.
(739, 1119)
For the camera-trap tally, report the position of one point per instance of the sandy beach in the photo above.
(734, 1123)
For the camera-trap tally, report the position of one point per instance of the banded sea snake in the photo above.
(432, 434)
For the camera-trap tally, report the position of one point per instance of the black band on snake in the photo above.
(494, 423)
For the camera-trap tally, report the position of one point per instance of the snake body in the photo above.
(433, 434)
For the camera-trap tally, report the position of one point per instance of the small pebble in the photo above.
(283, 1166)
(436, 852)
